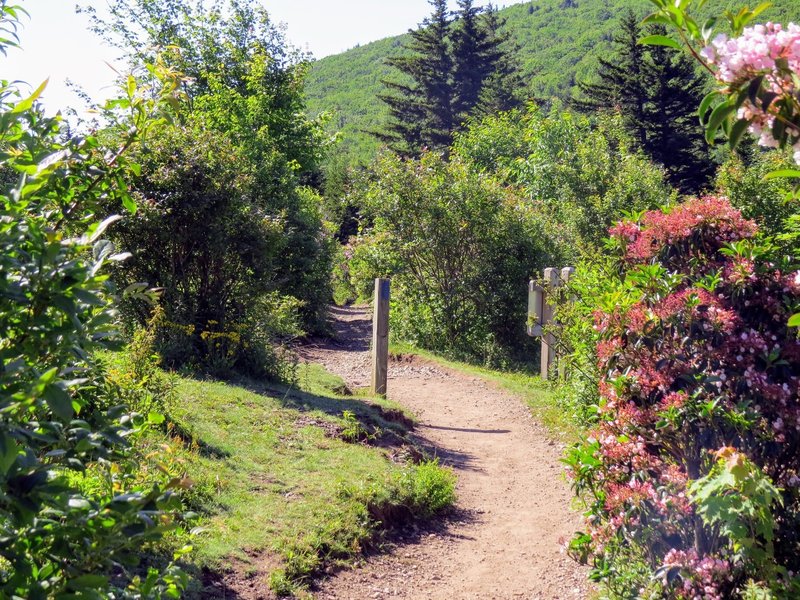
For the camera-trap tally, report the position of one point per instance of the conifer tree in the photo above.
(422, 111)
(656, 90)
(503, 88)
(675, 137)
(455, 69)
(621, 84)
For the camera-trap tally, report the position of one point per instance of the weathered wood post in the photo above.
(380, 337)
(566, 274)
(552, 281)
(535, 308)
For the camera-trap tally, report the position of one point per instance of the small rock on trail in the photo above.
(512, 519)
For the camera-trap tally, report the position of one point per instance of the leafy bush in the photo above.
(581, 177)
(576, 336)
(59, 535)
(212, 251)
(692, 472)
(460, 247)
(741, 179)
(246, 128)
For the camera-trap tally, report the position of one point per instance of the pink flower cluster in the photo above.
(761, 50)
(705, 578)
(661, 230)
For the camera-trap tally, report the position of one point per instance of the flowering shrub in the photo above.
(699, 419)
(756, 68)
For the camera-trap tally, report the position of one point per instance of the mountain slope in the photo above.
(559, 42)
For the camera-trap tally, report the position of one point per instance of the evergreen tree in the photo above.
(656, 90)
(455, 69)
(422, 111)
(675, 137)
(503, 87)
(621, 84)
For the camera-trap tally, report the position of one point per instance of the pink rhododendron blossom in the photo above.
(767, 50)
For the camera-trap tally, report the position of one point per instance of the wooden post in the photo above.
(566, 274)
(535, 305)
(552, 281)
(380, 337)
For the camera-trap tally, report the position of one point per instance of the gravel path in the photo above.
(512, 517)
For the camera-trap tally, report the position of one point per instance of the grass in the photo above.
(281, 491)
(536, 393)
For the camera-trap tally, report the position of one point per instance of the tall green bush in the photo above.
(211, 251)
(60, 424)
(581, 176)
(460, 247)
(245, 86)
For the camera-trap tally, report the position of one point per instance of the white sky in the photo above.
(57, 44)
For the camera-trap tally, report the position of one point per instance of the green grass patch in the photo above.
(276, 474)
(537, 394)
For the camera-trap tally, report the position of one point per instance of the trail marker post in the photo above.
(380, 336)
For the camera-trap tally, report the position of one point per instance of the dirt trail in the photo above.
(512, 517)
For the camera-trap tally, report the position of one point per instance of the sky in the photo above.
(56, 43)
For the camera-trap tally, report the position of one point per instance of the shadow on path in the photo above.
(442, 428)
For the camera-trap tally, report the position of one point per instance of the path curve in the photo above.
(512, 516)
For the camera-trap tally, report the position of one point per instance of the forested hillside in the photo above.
(559, 42)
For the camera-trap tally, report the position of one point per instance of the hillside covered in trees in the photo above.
(559, 42)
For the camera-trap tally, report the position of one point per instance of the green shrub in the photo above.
(582, 176)
(460, 247)
(212, 252)
(576, 336)
(74, 521)
(741, 179)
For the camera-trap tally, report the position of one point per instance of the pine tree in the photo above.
(656, 90)
(675, 137)
(422, 112)
(455, 69)
(621, 84)
(503, 88)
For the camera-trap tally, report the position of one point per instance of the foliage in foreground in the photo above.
(74, 519)
(693, 471)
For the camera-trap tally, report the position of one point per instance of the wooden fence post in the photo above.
(380, 337)
(566, 274)
(552, 281)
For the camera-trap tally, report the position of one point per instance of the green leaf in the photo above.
(718, 116)
(754, 87)
(28, 102)
(794, 321)
(737, 131)
(783, 174)
(59, 402)
(92, 582)
(97, 229)
(8, 452)
(129, 204)
(155, 418)
(705, 105)
(659, 40)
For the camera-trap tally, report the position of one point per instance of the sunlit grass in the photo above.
(275, 478)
